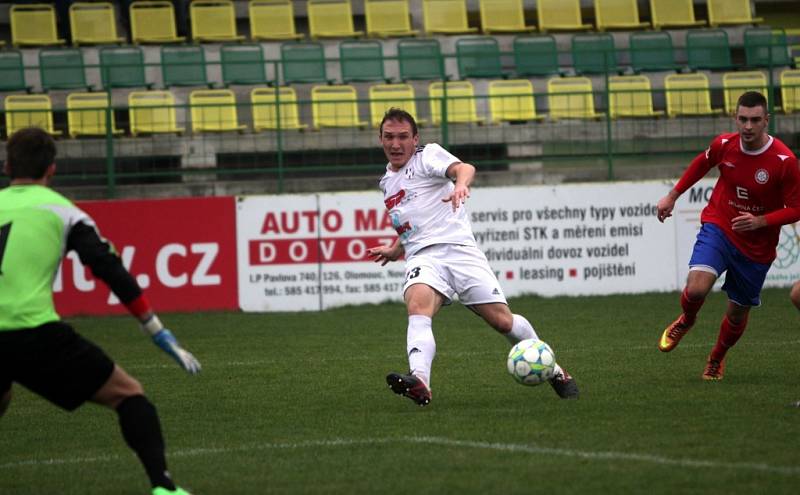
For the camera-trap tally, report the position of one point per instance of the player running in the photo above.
(38, 350)
(424, 189)
(758, 190)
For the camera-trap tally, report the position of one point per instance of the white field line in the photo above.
(590, 455)
(445, 354)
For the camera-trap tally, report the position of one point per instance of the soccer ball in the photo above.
(531, 362)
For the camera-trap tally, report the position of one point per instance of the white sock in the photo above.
(521, 329)
(421, 347)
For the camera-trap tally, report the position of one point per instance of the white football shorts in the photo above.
(452, 270)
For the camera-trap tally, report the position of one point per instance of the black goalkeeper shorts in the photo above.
(53, 361)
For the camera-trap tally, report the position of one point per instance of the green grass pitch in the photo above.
(297, 403)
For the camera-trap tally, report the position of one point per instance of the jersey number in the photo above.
(4, 230)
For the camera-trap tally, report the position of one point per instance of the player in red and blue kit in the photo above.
(758, 190)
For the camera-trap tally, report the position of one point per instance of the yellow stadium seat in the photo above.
(722, 12)
(272, 20)
(503, 16)
(331, 19)
(688, 94)
(617, 14)
(153, 22)
(790, 90)
(213, 20)
(673, 13)
(34, 24)
(512, 100)
(446, 17)
(87, 115)
(29, 111)
(265, 109)
(152, 112)
(388, 18)
(460, 103)
(736, 83)
(214, 110)
(382, 97)
(335, 106)
(631, 96)
(560, 15)
(571, 98)
(93, 23)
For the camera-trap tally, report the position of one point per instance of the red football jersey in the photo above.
(762, 182)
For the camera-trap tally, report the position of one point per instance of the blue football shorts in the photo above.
(714, 253)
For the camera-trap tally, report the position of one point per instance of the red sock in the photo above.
(690, 308)
(728, 336)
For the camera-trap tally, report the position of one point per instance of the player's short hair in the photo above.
(399, 115)
(752, 99)
(29, 152)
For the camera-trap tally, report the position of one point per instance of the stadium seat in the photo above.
(560, 15)
(727, 12)
(617, 14)
(512, 101)
(34, 25)
(536, 56)
(445, 17)
(272, 20)
(152, 112)
(420, 59)
(503, 16)
(382, 97)
(790, 90)
(361, 61)
(93, 23)
(87, 115)
(673, 13)
(183, 65)
(594, 53)
(265, 109)
(388, 18)
(243, 64)
(213, 20)
(688, 94)
(62, 68)
(571, 98)
(214, 110)
(460, 102)
(303, 62)
(631, 96)
(12, 71)
(29, 111)
(736, 83)
(335, 106)
(122, 67)
(708, 49)
(478, 57)
(331, 19)
(765, 47)
(153, 22)
(651, 51)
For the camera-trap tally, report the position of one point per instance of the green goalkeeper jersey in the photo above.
(34, 221)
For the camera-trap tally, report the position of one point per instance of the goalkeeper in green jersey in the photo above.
(38, 350)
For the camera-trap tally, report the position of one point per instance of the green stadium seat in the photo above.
(536, 55)
(243, 64)
(766, 47)
(12, 71)
(183, 65)
(478, 57)
(594, 53)
(651, 51)
(122, 67)
(708, 49)
(62, 68)
(420, 59)
(361, 61)
(303, 62)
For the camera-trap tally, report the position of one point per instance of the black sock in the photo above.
(138, 420)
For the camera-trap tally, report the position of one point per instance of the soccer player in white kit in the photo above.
(424, 189)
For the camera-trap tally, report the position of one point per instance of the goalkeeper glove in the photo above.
(164, 339)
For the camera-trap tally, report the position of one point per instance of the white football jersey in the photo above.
(413, 195)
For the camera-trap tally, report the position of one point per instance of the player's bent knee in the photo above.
(119, 386)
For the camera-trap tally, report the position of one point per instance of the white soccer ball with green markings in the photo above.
(531, 362)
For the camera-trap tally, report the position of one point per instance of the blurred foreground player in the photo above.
(38, 350)
(424, 188)
(758, 190)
